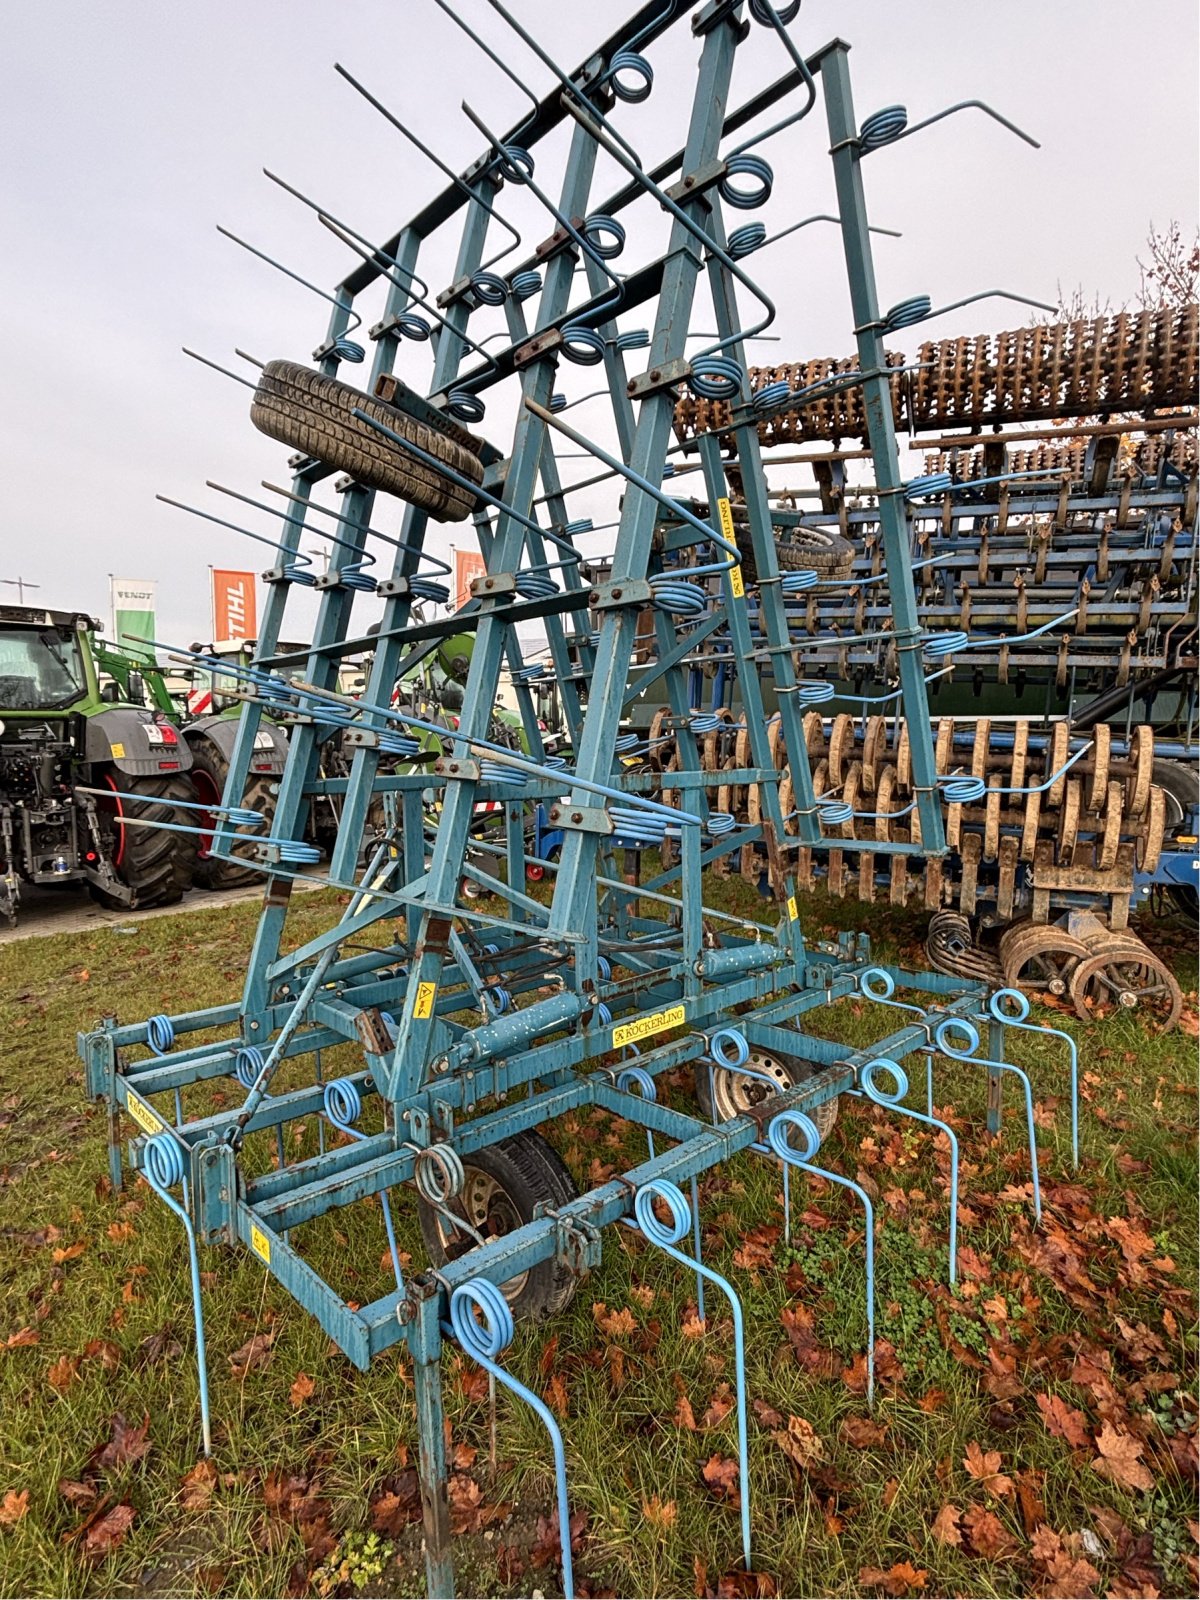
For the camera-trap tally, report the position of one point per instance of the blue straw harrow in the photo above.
(479, 1020)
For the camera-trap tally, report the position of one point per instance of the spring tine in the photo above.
(778, 1137)
(226, 233)
(482, 1323)
(217, 367)
(163, 1167)
(891, 1100)
(1011, 1007)
(441, 165)
(944, 1035)
(666, 1237)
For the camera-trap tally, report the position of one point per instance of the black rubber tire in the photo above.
(527, 1170)
(1181, 781)
(799, 549)
(157, 865)
(793, 1069)
(209, 761)
(314, 414)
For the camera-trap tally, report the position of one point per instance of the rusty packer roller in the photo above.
(1046, 839)
(1101, 366)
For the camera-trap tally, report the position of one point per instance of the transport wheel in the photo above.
(315, 414)
(732, 1092)
(503, 1184)
(1121, 972)
(158, 866)
(1040, 957)
(209, 772)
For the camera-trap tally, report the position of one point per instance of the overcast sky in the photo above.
(129, 128)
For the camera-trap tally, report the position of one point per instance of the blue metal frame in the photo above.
(475, 1024)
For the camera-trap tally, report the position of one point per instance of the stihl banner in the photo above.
(468, 565)
(234, 607)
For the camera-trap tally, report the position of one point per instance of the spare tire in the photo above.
(818, 549)
(314, 414)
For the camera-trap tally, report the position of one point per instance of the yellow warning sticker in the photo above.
(426, 993)
(646, 1027)
(260, 1244)
(143, 1116)
(725, 517)
(793, 908)
(118, 751)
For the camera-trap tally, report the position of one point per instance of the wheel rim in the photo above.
(208, 796)
(487, 1206)
(733, 1093)
(1126, 979)
(114, 811)
(1041, 959)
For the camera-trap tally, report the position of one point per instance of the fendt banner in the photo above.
(234, 605)
(133, 604)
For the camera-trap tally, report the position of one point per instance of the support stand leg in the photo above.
(425, 1344)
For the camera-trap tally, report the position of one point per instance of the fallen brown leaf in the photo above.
(685, 1417)
(718, 1407)
(105, 1351)
(128, 1444)
(862, 1432)
(63, 1373)
(103, 1534)
(901, 1579)
(77, 1494)
(253, 1355)
(13, 1507)
(659, 1513)
(1120, 1459)
(988, 1535)
(984, 1467)
(1062, 1420)
(720, 1475)
(614, 1324)
(198, 1485)
(767, 1415)
(556, 1394)
(799, 1442)
(944, 1526)
(301, 1391)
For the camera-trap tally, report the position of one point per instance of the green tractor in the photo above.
(214, 708)
(82, 765)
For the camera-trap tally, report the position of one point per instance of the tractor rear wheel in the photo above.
(156, 864)
(210, 769)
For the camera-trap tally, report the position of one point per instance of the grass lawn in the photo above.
(1034, 1432)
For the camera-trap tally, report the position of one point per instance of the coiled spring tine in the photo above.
(482, 1323)
(341, 346)
(342, 1106)
(868, 1089)
(943, 1036)
(163, 1168)
(446, 170)
(1011, 1007)
(666, 1236)
(778, 1137)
